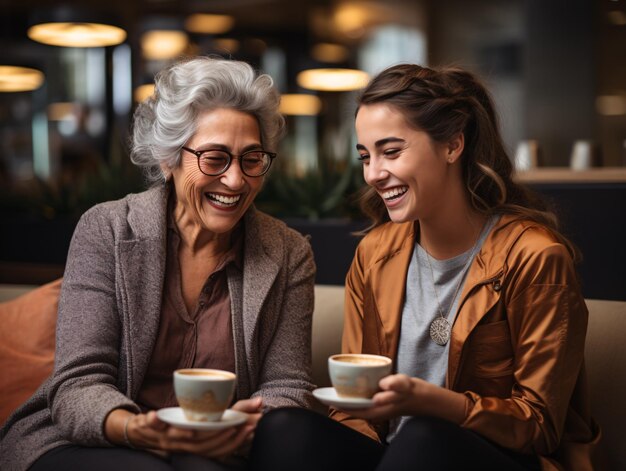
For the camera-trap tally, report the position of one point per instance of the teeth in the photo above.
(224, 199)
(395, 192)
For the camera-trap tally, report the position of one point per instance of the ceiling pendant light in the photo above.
(67, 27)
(332, 80)
(205, 23)
(299, 104)
(329, 52)
(19, 79)
(163, 38)
(143, 92)
(163, 44)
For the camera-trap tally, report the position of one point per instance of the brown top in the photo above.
(177, 344)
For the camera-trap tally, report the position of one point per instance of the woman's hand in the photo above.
(125, 428)
(215, 444)
(148, 432)
(401, 395)
(253, 408)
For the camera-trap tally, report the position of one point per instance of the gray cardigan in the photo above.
(109, 313)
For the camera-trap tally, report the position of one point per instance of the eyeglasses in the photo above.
(214, 162)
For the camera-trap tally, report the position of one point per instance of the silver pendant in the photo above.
(440, 330)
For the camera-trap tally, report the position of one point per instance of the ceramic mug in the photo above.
(357, 374)
(204, 394)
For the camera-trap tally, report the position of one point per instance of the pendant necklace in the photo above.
(440, 327)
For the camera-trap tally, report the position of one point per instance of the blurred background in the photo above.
(72, 73)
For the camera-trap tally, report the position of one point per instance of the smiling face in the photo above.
(216, 204)
(411, 172)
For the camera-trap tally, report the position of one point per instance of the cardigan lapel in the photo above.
(141, 269)
(259, 272)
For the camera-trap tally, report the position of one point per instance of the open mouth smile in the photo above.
(394, 193)
(224, 201)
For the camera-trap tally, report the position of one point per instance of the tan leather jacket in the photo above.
(517, 341)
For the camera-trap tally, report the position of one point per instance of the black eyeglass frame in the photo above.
(198, 154)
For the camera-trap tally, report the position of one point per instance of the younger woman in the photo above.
(465, 282)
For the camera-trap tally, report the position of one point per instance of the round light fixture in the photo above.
(75, 26)
(143, 92)
(19, 79)
(76, 34)
(204, 23)
(163, 44)
(328, 52)
(333, 80)
(300, 104)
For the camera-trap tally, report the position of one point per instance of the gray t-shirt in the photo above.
(418, 355)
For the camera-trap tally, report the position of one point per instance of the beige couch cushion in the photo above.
(27, 330)
(605, 358)
(327, 330)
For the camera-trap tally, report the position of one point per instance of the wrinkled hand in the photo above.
(147, 431)
(253, 408)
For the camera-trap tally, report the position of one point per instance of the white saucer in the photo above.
(175, 416)
(329, 397)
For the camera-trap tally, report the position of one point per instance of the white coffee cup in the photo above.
(527, 155)
(204, 394)
(357, 374)
(584, 155)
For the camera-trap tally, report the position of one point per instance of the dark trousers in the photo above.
(290, 439)
(79, 458)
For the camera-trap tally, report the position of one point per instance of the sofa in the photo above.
(605, 353)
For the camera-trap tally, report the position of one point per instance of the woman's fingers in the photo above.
(397, 382)
(387, 397)
(249, 406)
(153, 421)
(154, 433)
(144, 432)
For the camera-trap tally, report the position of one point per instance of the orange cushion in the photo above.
(27, 335)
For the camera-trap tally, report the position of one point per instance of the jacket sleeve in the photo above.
(352, 339)
(285, 377)
(83, 387)
(547, 320)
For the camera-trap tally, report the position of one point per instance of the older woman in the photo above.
(186, 274)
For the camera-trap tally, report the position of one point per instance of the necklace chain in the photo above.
(440, 327)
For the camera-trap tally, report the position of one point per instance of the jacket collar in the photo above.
(488, 271)
(389, 270)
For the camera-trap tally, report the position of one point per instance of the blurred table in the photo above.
(566, 175)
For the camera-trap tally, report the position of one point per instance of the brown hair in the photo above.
(443, 103)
